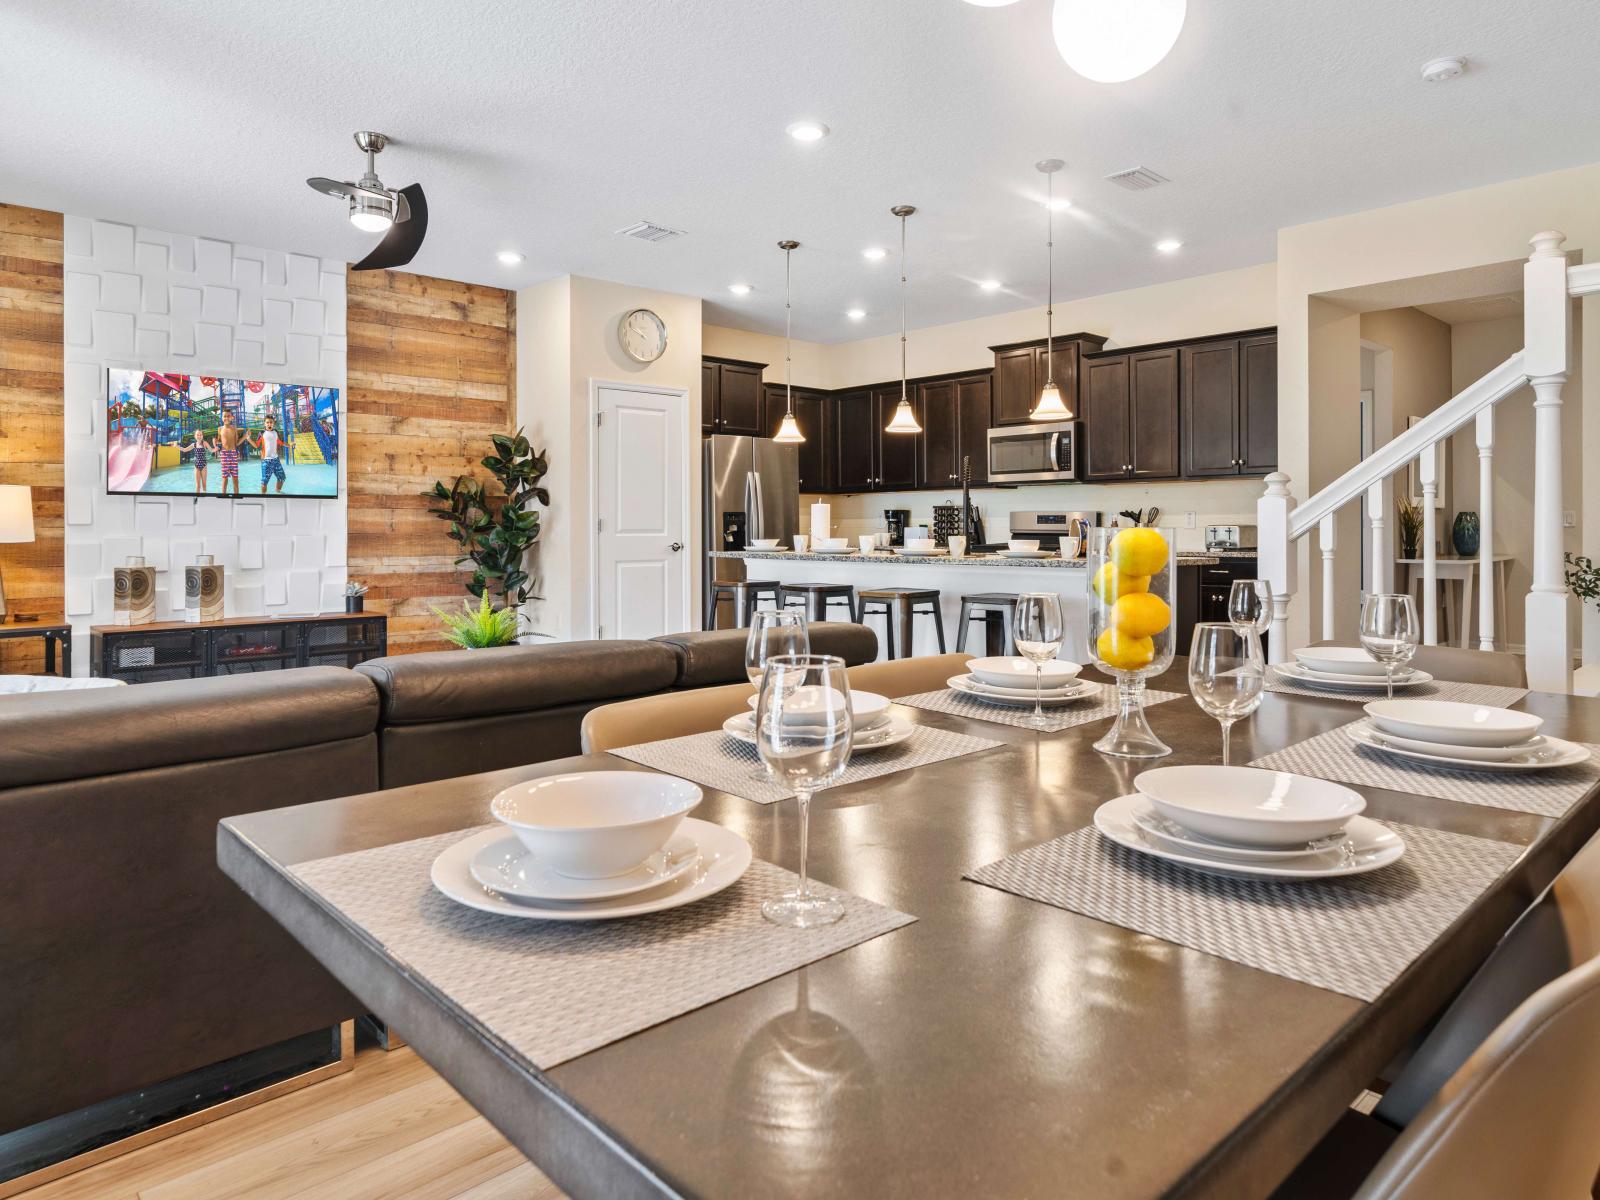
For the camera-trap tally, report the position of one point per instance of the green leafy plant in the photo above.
(1583, 577)
(1410, 516)
(474, 628)
(495, 533)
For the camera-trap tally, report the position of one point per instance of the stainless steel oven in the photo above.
(1041, 452)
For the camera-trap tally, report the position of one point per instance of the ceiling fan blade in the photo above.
(404, 239)
(331, 187)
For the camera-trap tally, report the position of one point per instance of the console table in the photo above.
(1459, 574)
(236, 645)
(53, 629)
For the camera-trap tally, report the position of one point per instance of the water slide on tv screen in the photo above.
(128, 466)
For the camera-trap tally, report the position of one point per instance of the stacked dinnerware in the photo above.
(1246, 821)
(832, 545)
(921, 547)
(874, 727)
(1345, 669)
(1009, 680)
(1474, 736)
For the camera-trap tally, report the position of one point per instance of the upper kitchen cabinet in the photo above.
(1129, 408)
(1230, 406)
(853, 442)
(955, 416)
(810, 413)
(730, 396)
(1020, 370)
(896, 453)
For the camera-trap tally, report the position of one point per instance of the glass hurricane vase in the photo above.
(1132, 606)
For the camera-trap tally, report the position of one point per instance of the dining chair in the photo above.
(908, 676)
(1455, 665)
(668, 715)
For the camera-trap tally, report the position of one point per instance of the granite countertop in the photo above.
(970, 560)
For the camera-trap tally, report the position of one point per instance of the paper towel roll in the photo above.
(821, 521)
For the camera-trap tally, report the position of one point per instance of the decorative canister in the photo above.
(134, 592)
(202, 590)
(1464, 533)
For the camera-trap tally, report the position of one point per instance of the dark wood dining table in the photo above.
(995, 1047)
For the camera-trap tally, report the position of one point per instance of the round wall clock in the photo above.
(643, 335)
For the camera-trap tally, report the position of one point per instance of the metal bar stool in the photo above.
(998, 611)
(816, 597)
(745, 595)
(898, 606)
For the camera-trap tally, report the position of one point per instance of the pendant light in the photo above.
(1115, 42)
(905, 418)
(788, 432)
(1051, 406)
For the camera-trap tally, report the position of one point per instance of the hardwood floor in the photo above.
(390, 1129)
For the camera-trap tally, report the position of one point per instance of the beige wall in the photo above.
(1420, 345)
(1335, 333)
(812, 361)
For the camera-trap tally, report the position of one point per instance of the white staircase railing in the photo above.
(1543, 363)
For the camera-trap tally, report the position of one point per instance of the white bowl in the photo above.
(1023, 544)
(595, 824)
(809, 706)
(1450, 750)
(1249, 806)
(1453, 723)
(919, 544)
(1013, 672)
(1340, 660)
(830, 543)
(765, 543)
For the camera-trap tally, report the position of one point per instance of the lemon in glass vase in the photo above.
(1131, 597)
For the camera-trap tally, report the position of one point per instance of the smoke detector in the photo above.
(1441, 69)
(1137, 179)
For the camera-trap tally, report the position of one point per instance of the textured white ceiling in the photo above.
(544, 125)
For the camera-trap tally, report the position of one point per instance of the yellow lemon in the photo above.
(1141, 615)
(1110, 583)
(1139, 551)
(1123, 653)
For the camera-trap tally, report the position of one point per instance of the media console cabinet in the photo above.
(235, 646)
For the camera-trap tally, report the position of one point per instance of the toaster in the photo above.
(1230, 537)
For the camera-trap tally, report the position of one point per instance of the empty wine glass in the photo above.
(1389, 631)
(803, 734)
(1250, 609)
(773, 632)
(1225, 674)
(1038, 637)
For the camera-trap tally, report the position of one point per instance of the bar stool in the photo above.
(998, 611)
(900, 606)
(745, 595)
(816, 597)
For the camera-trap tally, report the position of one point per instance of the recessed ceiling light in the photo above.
(807, 131)
(510, 257)
(1169, 245)
(990, 285)
(855, 314)
(1441, 69)
(1059, 204)
(874, 253)
(1113, 43)
(739, 289)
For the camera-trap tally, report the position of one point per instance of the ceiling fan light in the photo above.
(788, 431)
(904, 420)
(371, 215)
(1116, 42)
(1051, 407)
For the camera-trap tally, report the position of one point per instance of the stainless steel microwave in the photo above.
(1039, 452)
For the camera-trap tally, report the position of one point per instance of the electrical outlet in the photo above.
(1569, 519)
(1189, 520)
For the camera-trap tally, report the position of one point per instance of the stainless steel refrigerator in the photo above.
(752, 490)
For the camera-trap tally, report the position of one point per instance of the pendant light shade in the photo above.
(788, 429)
(904, 419)
(1051, 405)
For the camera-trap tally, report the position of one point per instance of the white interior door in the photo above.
(641, 510)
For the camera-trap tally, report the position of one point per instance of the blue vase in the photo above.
(1464, 533)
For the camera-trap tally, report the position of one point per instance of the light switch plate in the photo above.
(1189, 520)
(1569, 519)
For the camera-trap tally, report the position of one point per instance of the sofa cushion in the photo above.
(55, 736)
(444, 685)
(716, 656)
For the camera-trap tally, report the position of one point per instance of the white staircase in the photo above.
(1543, 364)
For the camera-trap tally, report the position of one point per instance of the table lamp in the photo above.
(16, 525)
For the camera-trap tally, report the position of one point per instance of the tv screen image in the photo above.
(204, 435)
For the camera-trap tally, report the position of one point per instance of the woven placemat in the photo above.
(1091, 708)
(1491, 694)
(729, 765)
(554, 991)
(1352, 936)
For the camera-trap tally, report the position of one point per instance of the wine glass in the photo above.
(1250, 609)
(803, 734)
(1038, 636)
(1225, 674)
(1389, 631)
(773, 632)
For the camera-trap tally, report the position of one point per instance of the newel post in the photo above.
(1276, 558)
(1548, 343)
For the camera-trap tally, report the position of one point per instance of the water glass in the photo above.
(1250, 608)
(774, 632)
(803, 734)
(1225, 674)
(1038, 636)
(1389, 631)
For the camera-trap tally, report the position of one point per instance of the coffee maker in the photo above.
(896, 519)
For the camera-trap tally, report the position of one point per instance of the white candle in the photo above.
(821, 521)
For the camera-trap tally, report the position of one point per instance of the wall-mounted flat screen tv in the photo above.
(204, 435)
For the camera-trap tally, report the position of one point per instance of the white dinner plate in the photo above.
(1361, 832)
(1248, 806)
(867, 708)
(1453, 722)
(1022, 697)
(1350, 683)
(831, 550)
(1339, 660)
(1014, 671)
(510, 867)
(724, 857)
(1115, 821)
(889, 732)
(1553, 753)
(1476, 753)
(933, 553)
(1025, 553)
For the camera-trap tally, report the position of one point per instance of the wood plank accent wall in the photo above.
(431, 373)
(31, 419)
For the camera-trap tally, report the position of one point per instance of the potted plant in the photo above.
(1410, 516)
(495, 533)
(1583, 577)
(474, 628)
(355, 596)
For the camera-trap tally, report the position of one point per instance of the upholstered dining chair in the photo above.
(669, 715)
(908, 676)
(1456, 665)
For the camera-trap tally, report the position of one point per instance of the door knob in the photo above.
(675, 546)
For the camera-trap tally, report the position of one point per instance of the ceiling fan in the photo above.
(401, 216)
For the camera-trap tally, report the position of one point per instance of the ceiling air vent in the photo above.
(1137, 179)
(649, 231)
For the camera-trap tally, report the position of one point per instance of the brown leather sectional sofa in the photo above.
(127, 957)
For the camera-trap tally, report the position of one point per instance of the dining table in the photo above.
(994, 1045)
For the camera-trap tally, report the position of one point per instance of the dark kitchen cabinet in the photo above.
(1020, 372)
(897, 453)
(809, 413)
(853, 444)
(1230, 407)
(1258, 405)
(708, 397)
(975, 409)
(1130, 415)
(730, 396)
(1105, 418)
(955, 416)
